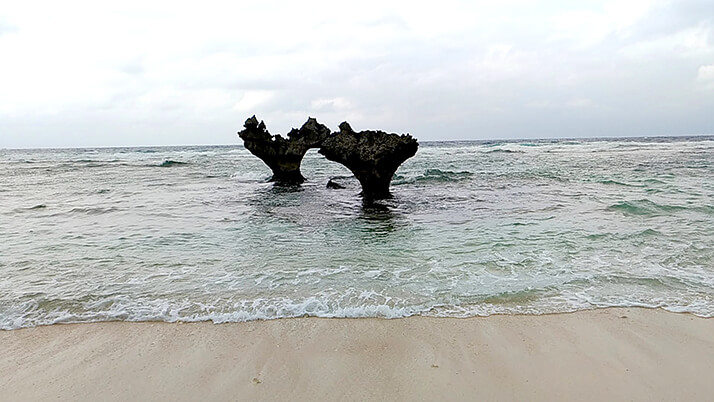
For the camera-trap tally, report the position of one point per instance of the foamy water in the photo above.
(197, 234)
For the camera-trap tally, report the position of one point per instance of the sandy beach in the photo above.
(611, 354)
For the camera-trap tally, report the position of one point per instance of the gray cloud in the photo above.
(485, 71)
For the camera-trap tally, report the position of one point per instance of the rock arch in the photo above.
(283, 155)
(372, 156)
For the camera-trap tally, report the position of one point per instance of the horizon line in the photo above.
(605, 137)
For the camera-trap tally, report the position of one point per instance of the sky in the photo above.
(123, 73)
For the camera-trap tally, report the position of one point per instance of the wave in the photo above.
(93, 210)
(646, 233)
(92, 163)
(707, 209)
(70, 164)
(434, 176)
(45, 310)
(170, 163)
(655, 181)
(517, 297)
(618, 183)
(645, 207)
(33, 208)
(503, 151)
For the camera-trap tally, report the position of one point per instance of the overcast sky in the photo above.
(161, 73)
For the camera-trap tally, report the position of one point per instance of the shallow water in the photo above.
(474, 228)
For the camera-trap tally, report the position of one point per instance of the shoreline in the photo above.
(314, 317)
(613, 353)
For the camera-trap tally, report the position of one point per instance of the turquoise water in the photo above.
(474, 228)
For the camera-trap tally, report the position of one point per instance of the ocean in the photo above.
(474, 228)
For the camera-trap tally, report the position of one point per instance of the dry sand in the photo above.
(612, 354)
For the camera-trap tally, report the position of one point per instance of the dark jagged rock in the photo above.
(334, 185)
(283, 155)
(372, 156)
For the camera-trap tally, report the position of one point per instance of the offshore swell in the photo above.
(475, 228)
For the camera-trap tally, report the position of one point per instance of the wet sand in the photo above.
(622, 354)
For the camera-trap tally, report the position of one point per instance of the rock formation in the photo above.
(372, 156)
(334, 185)
(283, 155)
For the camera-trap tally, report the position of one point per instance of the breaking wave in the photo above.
(433, 176)
(170, 163)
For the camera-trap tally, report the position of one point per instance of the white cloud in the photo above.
(706, 73)
(6, 28)
(251, 100)
(705, 76)
(337, 104)
(693, 41)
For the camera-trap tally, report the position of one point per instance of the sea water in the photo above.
(473, 228)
